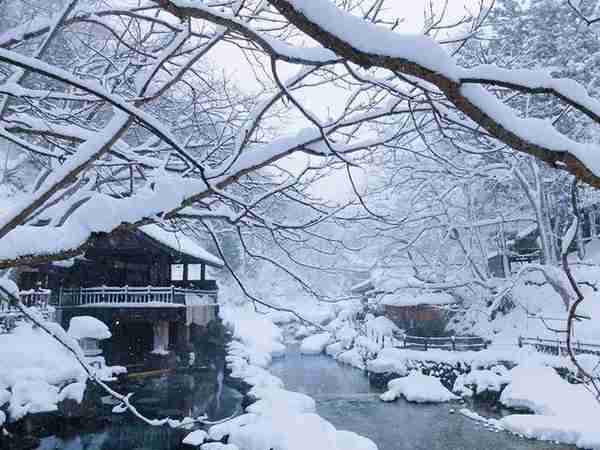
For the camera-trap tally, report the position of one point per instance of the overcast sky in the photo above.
(329, 100)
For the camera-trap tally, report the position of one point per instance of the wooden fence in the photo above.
(453, 343)
(559, 347)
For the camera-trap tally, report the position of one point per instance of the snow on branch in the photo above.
(368, 45)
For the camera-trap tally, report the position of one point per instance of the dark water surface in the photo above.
(175, 395)
(345, 398)
(343, 394)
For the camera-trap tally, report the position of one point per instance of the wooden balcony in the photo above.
(129, 296)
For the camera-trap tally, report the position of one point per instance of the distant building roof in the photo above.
(181, 243)
(362, 287)
(403, 299)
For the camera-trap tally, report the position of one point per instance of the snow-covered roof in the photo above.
(181, 243)
(403, 299)
(526, 231)
(361, 287)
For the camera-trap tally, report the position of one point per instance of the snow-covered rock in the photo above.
(32, 396)
(219, 446)
(73, 391)
(295, 432)
(567, 429)
(37, 371)
(33, 366)
(381, 326)
(315, 344)
(418, 388)
(272, 400)
(262, 338)
(564, 412)
(334, 349)
(478, 381)
(542, 391)
(195, 438)
(81, 327)
(352, 357)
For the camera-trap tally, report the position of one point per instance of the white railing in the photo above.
(127, 294)
(39, 298)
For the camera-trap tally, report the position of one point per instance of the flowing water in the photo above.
(343, 394)
(345, 398)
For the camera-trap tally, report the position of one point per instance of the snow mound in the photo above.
(334, 349)
(219, 446)
(396, 360)
(418, 388)
(32, 396)
(564, 412)
(261, 338)
(381, 326)
(530, 388)
(352, 357)
(315, 344)
(195, 438)
(272, 400)
(478, 381)
(81, 327)
(282, 432)
(565, 429)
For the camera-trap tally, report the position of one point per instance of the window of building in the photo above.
(176, 272)
(194, 271)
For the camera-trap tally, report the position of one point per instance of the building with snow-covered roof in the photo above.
(149, 285)
(418, 314)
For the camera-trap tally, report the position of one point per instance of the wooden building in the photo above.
(419, 315)
(149, 285)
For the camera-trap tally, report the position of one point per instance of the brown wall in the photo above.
(422, 317)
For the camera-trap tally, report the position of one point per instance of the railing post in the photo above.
(80, 299)
(126, 293)
(426, 344)
(453, 343)
(172, 294)
(520, 343)
(404, 341)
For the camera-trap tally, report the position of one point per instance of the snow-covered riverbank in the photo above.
(278, 419)
(522, 379)
(38, 373)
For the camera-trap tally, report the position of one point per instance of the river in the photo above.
(346, 399)
(343, 394)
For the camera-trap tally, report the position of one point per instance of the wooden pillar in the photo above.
(203, 272)
(185, 273)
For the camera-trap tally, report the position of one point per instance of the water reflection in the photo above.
(171, 395)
